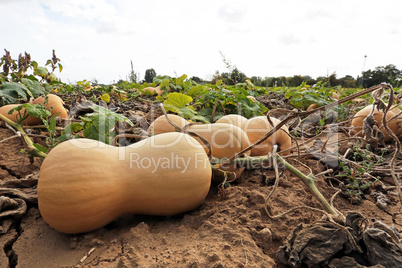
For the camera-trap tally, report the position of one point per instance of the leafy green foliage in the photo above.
(98, 125)
(173, 84)
(179, 103)
(305, 95)
(49, 121)
(33, 85)
(228, 100)
(12, 92)
(36, 110)
(17, 84)
(353, 176)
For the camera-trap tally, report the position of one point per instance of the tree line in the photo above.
(388, 74)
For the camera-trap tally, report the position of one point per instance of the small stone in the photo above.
(96, 242)
(213, 257)
(227, 247)
(218, 265)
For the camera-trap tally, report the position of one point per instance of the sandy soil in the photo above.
(230, 229)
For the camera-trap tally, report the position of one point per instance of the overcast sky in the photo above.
(96, 39)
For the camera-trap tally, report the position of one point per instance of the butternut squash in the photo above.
(153, 90)
(161, 125)
(234, 119)
(226, 140)
(54, 105)
(313, 106)
(29, 121)
(395, 124)
(335, 96)
(257, 127)
(85, 184)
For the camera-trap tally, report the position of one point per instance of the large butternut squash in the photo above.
(85, 184)
(54, 105)
(257, 127)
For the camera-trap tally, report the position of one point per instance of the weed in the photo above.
(355, 185)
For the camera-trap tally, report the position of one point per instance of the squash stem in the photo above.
(308, 180)
(33, 151)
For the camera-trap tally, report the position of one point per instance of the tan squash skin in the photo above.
(85, 184)
(313, 106)
(154, 90)
(29, 121)
(234, 119)
(54, 105)
(226, 140)
(257, 127)
(395, 124)
(161, 125)
(335, 96)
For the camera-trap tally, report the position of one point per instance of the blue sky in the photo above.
(96, 39)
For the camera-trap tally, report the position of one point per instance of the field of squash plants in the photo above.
(180, 174)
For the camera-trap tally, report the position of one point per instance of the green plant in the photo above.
(97, 125)
(305, 95)
(48, 119)
(179, 103)
(215, 101)
(234, 76)
(133, 76)
(18, 83)
(353, 175)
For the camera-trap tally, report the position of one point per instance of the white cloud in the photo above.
(233, 12)
(98, 38)
(289, 39)
(88, 9)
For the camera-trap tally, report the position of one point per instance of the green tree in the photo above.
(197, 79)
(333, 81)
(268, 82)
(256, 80)
(348, 81)
(295, 81)
(388, 74)
(216, 77)
(237, 77)
(281, 81)
(150, 74)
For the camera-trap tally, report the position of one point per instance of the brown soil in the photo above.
(230, 229)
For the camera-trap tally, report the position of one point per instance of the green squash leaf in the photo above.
(176, 101)
(34, 86)
(106, 98)
(11, 92)
(41, 71)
